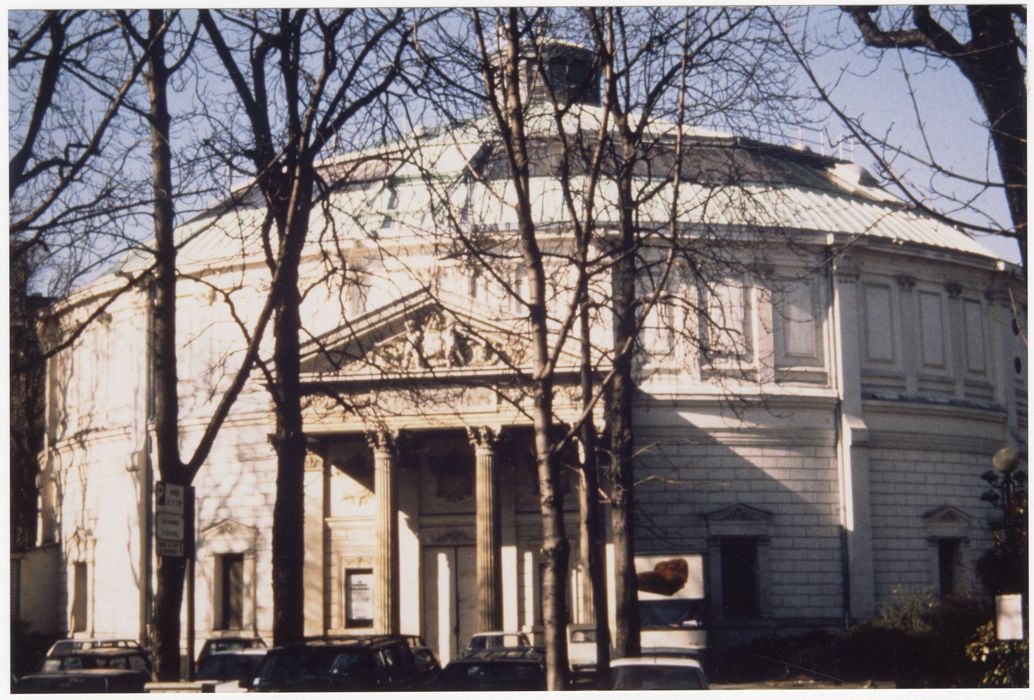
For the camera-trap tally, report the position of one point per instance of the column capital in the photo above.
(382, 440)
(313, 461)
(845, 267)
(483, 437)
(906, 282)
(997, 291)
(954, 289)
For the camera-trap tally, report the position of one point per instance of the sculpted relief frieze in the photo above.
(437, 341)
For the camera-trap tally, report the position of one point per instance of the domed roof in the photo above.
(400, 191)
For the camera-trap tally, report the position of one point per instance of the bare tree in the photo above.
(61, 198)
(172, 468)
(660, 67)
(985, 43)
(323, 70)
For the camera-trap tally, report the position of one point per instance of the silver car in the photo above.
(657, 673)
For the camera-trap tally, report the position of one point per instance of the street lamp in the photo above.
(1008, 607)
(1005, 461)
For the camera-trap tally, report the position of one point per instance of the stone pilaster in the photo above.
(487, 528)
(910, 338)
(385, 487)
(957, 338)
(1004, 356)
(853, 443)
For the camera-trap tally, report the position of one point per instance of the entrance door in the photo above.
(450, 599)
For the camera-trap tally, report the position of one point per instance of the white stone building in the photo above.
(820, 458)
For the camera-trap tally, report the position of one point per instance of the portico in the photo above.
(425, 520)
(432, 532)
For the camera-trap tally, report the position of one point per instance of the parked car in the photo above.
(71, 646)
(581, 648)
(677, 623)
(497, 640)
(216, 644)
(516, 668)
(230, 668)
(93, 680)
(109, 657)
(366, 663)
(657, 673)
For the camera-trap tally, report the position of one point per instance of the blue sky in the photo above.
(874, 88)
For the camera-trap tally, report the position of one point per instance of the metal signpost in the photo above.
(174, 537)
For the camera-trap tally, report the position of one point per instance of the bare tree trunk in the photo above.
(286, 175)
(288, 509)
(620, 478)
(990, 60)
(169, 595)
(592, 540)
(555, 547)
(999, 79)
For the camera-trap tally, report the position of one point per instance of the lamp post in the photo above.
(1005, 462)
(1009, 606)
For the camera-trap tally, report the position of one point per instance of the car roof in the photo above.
(217, 640)
(75, 645)
(499, 632)
(656, 661)
(107, 651)
(352, 641)
(671, 651)
(82, 672)
(249, 651)
(509, 654)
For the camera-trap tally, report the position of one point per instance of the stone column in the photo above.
(487, 527)
(314, 523)
(385, 487)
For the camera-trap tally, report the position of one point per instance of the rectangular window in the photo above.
(79, 593)
(231, 591)
(740, 585)
(359, 598)
(798, 320)
(948, 564)
(726, 315)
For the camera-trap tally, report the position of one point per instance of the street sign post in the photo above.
(173, 520)
(174, 537)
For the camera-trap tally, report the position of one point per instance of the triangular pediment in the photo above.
(416, 335)
(946, 515)
(229, 535)
(739, 513)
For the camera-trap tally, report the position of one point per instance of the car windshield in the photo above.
(76, 662)
(657, 678)
(299, 666)
(495, 676)
(493, 641)
(583, 636)
(670, 613)
(232, 644)
(228, 667)
(424, 660)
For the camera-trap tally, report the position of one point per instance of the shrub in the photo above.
(1003, 664)
(917, 642)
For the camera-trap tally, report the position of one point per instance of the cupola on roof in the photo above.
(571, 71)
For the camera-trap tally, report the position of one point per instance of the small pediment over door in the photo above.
(229, 536)
(739, 520)
(947, 522)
